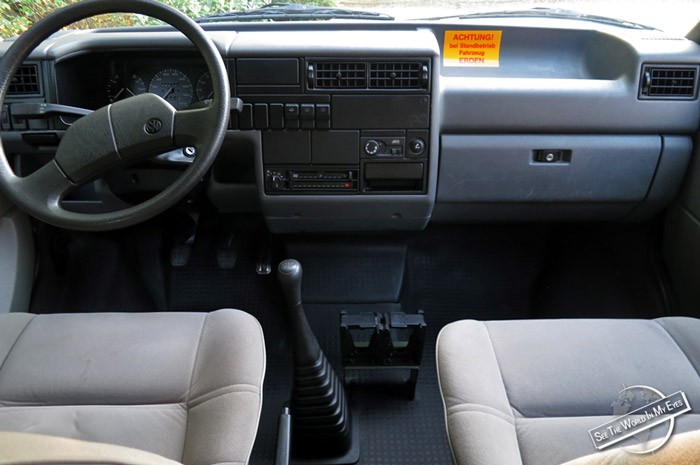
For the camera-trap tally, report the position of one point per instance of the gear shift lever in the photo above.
(306, 348)
(321, 422)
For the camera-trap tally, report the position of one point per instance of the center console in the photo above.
(358, 127)
(345, 143)
(361, 129)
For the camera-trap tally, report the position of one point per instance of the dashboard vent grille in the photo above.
(25, 81)
(665, 82)
(340, 75)
(396, 75)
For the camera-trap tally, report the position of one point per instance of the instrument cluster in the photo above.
(180, 82)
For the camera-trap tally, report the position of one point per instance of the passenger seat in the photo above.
(527, 392)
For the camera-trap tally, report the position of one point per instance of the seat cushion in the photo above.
(682, 449)
(187, 386)
(39, 449)
(527, 392)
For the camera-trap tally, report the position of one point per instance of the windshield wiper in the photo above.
(541, 12)
(293, 12)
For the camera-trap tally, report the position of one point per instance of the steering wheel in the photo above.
(119, 133)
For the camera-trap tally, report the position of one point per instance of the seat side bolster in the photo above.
(11, 329)
(684, 331)
(468, 375)
(225, 396)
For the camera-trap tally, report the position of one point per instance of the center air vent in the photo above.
(668, 82)
(397, 75)
(377, 74)
(338, 75)
(25, 81)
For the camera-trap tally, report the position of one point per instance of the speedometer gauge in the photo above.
(174, 86)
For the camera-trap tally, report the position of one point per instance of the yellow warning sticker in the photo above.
(472, 48)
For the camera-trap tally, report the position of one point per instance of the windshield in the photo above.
(675, 16)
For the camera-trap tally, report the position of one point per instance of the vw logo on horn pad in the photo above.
(153, 126)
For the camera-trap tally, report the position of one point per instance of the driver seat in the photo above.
(186, 386)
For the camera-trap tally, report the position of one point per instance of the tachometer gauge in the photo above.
(117, 89)
(204, 88)
(174, 86)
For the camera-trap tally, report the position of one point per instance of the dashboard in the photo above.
(364, 126)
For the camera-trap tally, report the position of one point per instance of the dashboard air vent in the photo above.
(669, 82)
(25, 81)
(397, 75)
(338, 75)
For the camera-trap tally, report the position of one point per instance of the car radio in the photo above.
(305, 180)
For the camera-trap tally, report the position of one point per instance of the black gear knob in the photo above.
(289, 275)
(321, 422)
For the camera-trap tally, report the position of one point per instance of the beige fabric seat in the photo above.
(527, 392)
(186, 386)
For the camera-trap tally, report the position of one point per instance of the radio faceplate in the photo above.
(285, 180)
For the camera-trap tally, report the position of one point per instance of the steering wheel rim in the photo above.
(40, 193)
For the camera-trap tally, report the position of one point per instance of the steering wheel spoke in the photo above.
(194, 127)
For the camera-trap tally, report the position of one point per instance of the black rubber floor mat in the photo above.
(477, 272)
(359, 269)
(601, 271)
(81, 272)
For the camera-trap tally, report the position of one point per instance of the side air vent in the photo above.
(669, 82)
(338, 75)
(25, 81)
(398, 75)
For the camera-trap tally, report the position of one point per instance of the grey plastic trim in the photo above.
(496, 177)
(560, 106)
(681, 239)
(508, 212)
(501, 168)
(338, 43)
(668, 178)
(235, 197)
(17, 258)
(556, 80)
(63, 47)
(681, 250)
